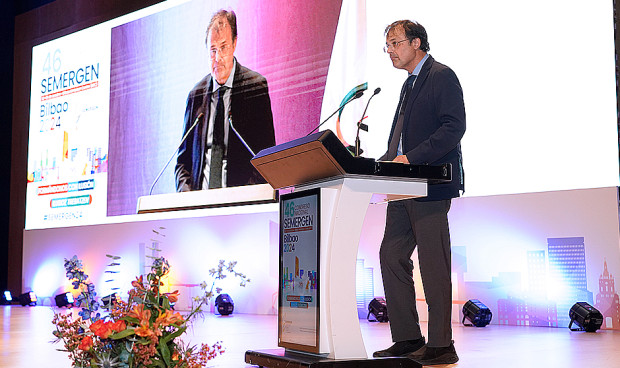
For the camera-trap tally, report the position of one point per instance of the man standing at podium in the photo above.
(231, 105)
(427, 129)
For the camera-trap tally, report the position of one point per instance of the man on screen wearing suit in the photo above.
(427, 129)
(213, 156)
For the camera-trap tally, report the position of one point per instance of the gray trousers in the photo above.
(423, 224)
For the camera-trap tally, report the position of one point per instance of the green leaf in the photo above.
(131, 320)
(143, 341)
(158, 363)
(172, 336)
(122, 334)
(165, 353)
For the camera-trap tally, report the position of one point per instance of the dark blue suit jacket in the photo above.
(250, 110)
(434, 125)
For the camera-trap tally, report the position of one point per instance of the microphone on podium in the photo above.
(247, 146)
(363, 126)
(175, 151)
(355, 97)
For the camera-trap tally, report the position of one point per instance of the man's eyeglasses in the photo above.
(223, 50)
(393, 45)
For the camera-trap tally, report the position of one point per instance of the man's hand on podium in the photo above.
(402, 159)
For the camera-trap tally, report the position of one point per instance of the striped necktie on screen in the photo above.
(218, 144)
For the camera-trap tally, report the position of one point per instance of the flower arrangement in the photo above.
(142, 332)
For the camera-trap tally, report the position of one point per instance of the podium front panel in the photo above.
(298, 297)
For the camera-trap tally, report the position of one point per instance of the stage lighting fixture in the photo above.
(477, 313)
(224, 304)
(378, 308)
(6, 298)
(28, 298)
(585, 316)
(64, 300)
(108, 301)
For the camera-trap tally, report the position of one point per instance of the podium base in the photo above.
(277, 358)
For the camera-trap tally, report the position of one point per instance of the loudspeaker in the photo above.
(585, 316)
(378, 308)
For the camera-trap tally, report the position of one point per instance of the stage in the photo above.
(27, 335)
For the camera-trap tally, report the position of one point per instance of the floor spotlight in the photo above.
(64, 300)
(378, 308)
(6, 298)
(477, 313)
(108, 301)
(28, 298)
(585, 316)
(224, 304)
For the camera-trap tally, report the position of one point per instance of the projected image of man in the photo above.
(427, 129)
(232, 97)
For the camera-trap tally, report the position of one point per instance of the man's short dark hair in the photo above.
(217, 22)
(412, 30)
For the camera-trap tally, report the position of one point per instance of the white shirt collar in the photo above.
(418, 67)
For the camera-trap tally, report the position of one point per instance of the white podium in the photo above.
(339, 190)
(343, 205)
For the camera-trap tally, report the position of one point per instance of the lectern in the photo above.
(320, 225)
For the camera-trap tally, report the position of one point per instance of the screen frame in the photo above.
(316, 192)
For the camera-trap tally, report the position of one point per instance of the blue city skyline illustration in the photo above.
(556, 280)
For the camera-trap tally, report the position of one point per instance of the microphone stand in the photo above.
(247, 146)
(357, 95)
(175, 151)
(363, 126)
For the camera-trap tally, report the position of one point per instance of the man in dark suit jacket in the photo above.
(427, 130)
(245, 103)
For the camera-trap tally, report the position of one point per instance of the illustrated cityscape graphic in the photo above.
(556, 280)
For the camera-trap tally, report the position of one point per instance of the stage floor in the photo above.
(27, 335)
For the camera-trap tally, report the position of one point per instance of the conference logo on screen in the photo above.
(68, 138)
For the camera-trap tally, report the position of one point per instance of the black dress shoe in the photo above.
(401, 348)
(434, 356)
(417, 354)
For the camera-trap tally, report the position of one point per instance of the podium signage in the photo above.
(298, 312)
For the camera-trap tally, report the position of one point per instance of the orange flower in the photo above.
(97, 325)
(141, 314)
(102, 329)
(138, 283)
(119, 326)
(86, 343)
(173, 297)
(167, 318)
(144, 330)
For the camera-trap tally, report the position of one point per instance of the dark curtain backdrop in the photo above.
(35, 22)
